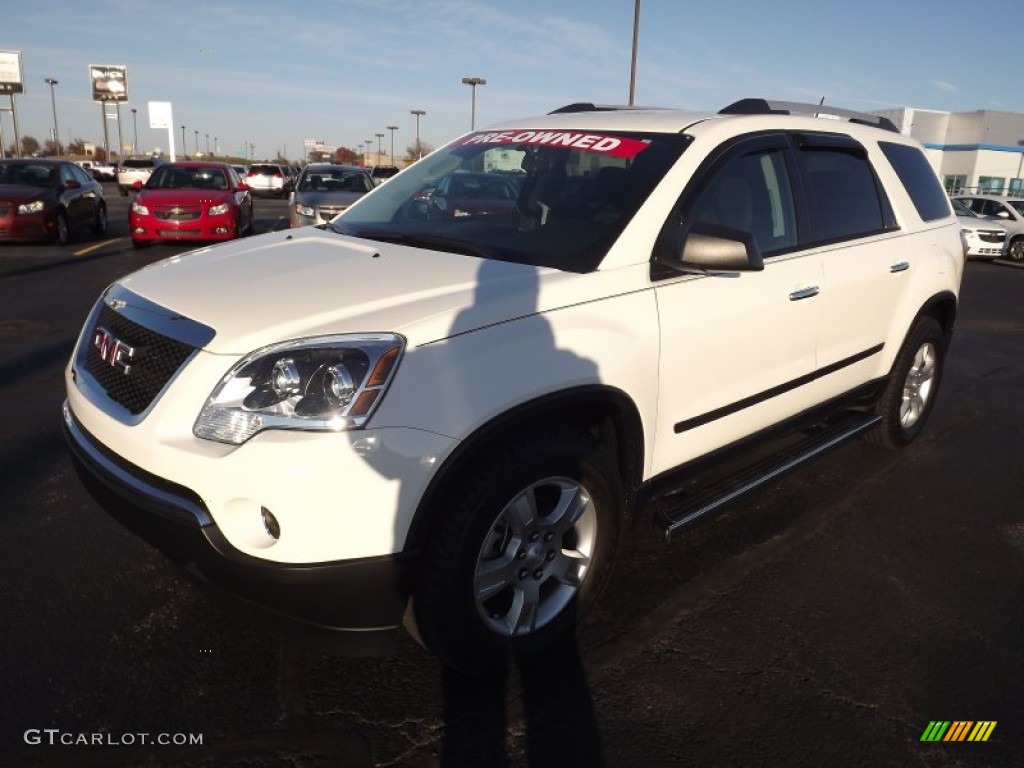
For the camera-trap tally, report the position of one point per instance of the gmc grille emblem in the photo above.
(112, 350)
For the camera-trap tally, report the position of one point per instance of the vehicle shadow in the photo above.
(557, 725)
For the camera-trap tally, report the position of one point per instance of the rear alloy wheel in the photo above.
(913, 385)
(526, 542)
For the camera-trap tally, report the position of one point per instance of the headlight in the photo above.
(330, 383)
(217, 210)
(34, 207)
(140, 209)
(303, 210)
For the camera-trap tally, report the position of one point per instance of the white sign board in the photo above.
(160, 114)
(10, 72)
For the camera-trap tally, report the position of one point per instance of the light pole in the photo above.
(473, 82)
(197, 142)
(53, 102)
(366, 157)
(392, 128)
(632, 66)
(419, 113)
(184, 149)
(207, 144)
(135, 126)
(379, 137)
(216, 146)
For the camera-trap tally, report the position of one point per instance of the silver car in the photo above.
(324, 190)
(985, 239)
(1008, 211)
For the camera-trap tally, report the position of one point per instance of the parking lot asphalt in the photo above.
(824, 621)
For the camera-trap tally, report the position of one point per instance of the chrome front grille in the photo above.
(178, 213)
(156, 358)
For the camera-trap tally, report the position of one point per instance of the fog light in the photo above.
(221, 230)
(270, 523)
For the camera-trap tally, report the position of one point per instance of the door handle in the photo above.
(804, 293)
(902, 266)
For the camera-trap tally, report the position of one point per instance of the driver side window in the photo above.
(751, 193)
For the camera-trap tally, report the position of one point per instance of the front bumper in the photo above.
(26, 226)
(356, 605)
(207, 228)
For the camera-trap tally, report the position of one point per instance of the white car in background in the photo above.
(985, 239)
(1008, 211)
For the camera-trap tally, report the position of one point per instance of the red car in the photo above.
(48, 200)
(190, 201)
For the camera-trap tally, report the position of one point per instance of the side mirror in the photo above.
(243, 186)
(71, 184)
(137, 185)
(709, 248)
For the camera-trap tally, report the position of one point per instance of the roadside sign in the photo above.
(109, 82)
(160, 114)
(10, 72)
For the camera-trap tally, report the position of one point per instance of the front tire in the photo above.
(99, 226)
(526, 542)
(1016, 252)
(61, 233)
(908, 397)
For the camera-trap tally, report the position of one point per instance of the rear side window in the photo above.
(916, 174)
(845, 200)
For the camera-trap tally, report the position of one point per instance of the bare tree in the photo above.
(29, 145)
(346, 156)
(415, 151)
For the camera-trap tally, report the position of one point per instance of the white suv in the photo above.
(135, 170)
(457, 406)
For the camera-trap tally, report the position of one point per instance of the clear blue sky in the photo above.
(275, 73)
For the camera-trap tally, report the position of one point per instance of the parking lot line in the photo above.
(96, 246)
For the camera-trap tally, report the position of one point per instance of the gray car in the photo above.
(324, 190)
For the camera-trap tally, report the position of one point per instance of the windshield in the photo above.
(174, 177)
(28, 174)
(334, 180)
(547, 198)
(962, 210)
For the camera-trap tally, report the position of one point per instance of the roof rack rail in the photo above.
(587, 106)
(766, 107)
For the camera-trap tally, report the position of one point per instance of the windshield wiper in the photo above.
(418, 240)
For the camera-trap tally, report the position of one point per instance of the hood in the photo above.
(309, 197)
(16, 193)
(308, 282)
(182, 196)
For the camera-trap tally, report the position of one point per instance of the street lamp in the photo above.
(473, 82)
(216, 146)
(135, 126)
(392, 128)
(184, 149)
(207, 143)
(632, 66)
(197, 142)
(53, 101)
(379, 137)
(366, 157)
(419, 113)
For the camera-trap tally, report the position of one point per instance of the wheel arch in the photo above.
(606, 412)
(943, 307)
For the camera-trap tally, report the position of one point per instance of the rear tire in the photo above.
(526, 541)
(907, 400)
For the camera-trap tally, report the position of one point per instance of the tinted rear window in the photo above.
(845, 197)
(919, 178)
(265, 170)
(137, 164)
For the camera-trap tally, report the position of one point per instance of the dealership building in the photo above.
(979, 151)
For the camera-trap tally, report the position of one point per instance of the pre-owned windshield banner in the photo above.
(616, 146)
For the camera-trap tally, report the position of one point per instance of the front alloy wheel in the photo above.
(535, 557)
(1017, 249)
(521, 543)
